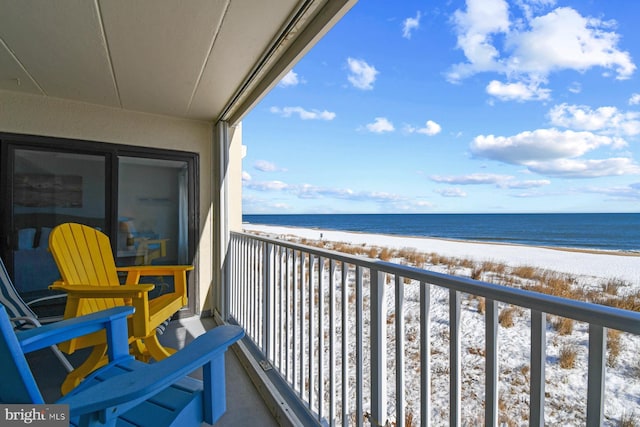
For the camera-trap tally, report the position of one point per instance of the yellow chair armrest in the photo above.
(88, 291)
(156, 270)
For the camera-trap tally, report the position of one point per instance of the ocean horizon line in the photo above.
(584, 231)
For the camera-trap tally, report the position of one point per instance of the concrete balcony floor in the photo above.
(244, 404)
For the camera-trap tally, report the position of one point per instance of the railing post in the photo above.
(267, 290)
(425, 355)
(359, 362)
(595, 381)
(538, 356)
(400, 386)
(378, 334)
(491, 360)
(455, 383)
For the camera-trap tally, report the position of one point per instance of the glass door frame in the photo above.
(10, 142)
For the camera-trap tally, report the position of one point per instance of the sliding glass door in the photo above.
(50, 188)
(142, 198)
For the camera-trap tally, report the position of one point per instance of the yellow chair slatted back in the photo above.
(83, 255)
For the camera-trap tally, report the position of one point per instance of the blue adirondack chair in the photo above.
(20, 312)
(125, 390)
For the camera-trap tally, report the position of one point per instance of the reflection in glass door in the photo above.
(152, 215)
(50, 188)
(152, 212)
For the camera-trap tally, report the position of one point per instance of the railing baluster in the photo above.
(359, 354)
(294, 314)
(400, 400)
(454, 358)
(538, 356)
(303, 358)
(425, 355)
(321, 345)
(345, 344)
(312, 261)
(491, 360)
(268, 300)
(280, 309)
(378, 345)
(332, 343)
(285, 312)
(595, 387)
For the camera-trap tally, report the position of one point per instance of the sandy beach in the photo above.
(602, 265)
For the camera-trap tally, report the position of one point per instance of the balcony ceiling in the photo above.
(198, 59)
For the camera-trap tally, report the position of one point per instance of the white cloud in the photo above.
(539, 145)
(630, 192)
(556, 153)
(380, 125)
(303, 114)
(290, 79)
(564, 39)
(577, 168)
(430, 128)
(267, 185)
(392, 201)
(246, 176)
(531, 48)
(517, 91)
(362, 75)
(608, 120)
(265, 166)
(472, 179)
(635, 99)
(451, 192)
(409, 25)
(500, 181)
(523, 185)
(475, 28)
(575, 87)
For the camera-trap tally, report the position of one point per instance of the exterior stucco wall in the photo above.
(44, 116)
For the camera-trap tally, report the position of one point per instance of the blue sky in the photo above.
(455, 106)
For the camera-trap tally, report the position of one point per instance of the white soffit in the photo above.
(190, 59)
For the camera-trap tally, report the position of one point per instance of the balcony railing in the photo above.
(352, 344)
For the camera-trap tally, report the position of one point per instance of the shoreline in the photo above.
(580, 262)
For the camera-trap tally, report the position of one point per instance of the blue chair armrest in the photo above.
(113, 320)
(118, 394)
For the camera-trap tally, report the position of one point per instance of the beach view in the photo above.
(473, 143)
(607, 278)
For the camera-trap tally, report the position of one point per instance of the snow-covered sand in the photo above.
(565, 388)
(613, 265)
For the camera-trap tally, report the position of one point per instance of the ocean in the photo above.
(600, 231)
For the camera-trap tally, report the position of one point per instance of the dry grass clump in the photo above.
(526, 272)
(476, 273)
(568, 355)
(612, 286)
(505, 318)
(466, 263)
(386, 254)
(613, 347)
(563, 325)
(494, 267)
(413, 257)
(629, 420)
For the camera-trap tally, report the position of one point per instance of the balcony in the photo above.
(349, 340)
(384, 320)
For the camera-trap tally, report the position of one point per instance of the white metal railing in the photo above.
(322, 319)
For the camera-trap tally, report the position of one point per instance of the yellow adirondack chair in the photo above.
(90, 279)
